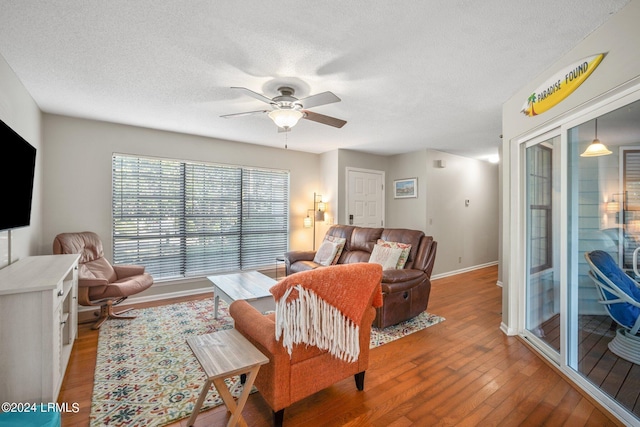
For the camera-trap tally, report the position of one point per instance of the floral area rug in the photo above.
(146, 374)
(402, 329)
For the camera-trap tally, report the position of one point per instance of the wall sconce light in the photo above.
(321, 208)
(617, 199)
(613, 206)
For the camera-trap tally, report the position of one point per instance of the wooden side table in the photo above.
(224, 354)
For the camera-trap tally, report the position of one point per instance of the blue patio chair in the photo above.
(620, 295)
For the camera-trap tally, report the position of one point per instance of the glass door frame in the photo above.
(567, 360)
(541, 345)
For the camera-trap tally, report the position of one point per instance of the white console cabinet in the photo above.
(38, 325)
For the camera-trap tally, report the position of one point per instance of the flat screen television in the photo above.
(16, 175)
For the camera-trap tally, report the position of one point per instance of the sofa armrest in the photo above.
(255, 326)
(397, 276)
(124, 271)
(426, 256)
(295, 256)
(401, 280)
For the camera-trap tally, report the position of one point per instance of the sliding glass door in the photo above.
(570, 205)
(604, 200)
(542, 241)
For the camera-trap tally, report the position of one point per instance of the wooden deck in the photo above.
(461, 372)
(617, 377)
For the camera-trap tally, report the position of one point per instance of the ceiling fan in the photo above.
(287, 110)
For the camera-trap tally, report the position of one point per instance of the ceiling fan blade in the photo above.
(325, 120)
(253, 94)
(248, 113)
(318, 99)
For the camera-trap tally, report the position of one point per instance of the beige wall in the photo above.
(467, 236)
(77, 189)
(19, 111)
(408, 213)
(330, 187)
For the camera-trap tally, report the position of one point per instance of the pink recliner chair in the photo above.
(100, 283)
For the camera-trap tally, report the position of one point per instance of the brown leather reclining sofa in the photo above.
(406, 291)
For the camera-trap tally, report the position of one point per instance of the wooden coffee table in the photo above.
(250, 286)
(224, 354)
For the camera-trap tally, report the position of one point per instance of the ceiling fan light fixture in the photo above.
(286, 118)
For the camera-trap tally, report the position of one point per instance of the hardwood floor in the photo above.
(463, 372)
(615, 376)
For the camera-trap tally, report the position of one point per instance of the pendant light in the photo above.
(596, 148)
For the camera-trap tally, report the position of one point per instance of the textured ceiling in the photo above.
(411, 75)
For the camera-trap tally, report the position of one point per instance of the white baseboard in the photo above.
(463, 270)
(508, 331)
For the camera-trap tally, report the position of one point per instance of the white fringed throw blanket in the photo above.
(311, 320)
(323, 307)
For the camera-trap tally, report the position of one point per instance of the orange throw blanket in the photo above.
(324, 307)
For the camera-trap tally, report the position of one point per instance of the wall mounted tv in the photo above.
(16, 175)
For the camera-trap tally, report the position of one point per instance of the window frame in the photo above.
(547, 208)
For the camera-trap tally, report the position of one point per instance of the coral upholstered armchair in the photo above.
(319, 334)
(100, 283)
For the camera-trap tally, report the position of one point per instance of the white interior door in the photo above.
(365, 198)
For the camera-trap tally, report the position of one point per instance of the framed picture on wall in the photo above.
(405, 188)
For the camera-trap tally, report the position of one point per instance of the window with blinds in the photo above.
(630, 206)
(539, 181)
(186, 219)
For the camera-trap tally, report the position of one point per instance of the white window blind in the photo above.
(630, 206)
(183, 219)
(539, 181)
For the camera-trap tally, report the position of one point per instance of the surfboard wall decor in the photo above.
(560, 85)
